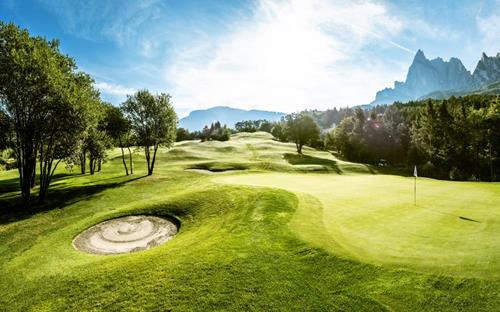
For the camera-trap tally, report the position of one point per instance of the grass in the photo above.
(274, 235)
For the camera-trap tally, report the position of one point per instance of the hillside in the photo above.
(262, 228)
(197, 119)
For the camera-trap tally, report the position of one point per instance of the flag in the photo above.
(415, 172)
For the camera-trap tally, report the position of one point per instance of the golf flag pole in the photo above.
(415, 174)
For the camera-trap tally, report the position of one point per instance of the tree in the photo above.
(246, 126)
(183, 135)
(45, 98)
(118, 129)
(339, 138)
(301, 129)
(279, 131)
(153, 121)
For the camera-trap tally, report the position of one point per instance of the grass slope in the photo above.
(285, 234)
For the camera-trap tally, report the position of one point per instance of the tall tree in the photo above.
(301, 129)
(45, 99)
(153, 121)
(118, 128)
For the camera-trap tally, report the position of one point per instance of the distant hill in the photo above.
(440, 79)
(197, 119)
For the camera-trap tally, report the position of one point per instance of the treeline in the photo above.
(50, 113)
(456, 139)
(217, 131)
(331, 117)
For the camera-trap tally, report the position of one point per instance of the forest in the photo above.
(457, 138)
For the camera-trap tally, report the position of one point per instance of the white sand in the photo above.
(126, 234)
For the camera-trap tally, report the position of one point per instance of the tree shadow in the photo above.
(374, 169)
(9, 185)
(301, 159)
(12, 209)
(12, 185)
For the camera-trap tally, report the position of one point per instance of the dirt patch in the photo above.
(125, 235)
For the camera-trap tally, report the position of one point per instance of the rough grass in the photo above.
(297, 241)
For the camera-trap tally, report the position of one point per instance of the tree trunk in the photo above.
(124, 162)
(150, 171)
(299, 146)
(26, 166)
(130, 159)
(47, 170)
(99, 164)
(91, 163)
(83, 161)
(25, 172)
(148, 160)
(33, 173)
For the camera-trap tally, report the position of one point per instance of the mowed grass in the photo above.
(453, 229)
(273, 232)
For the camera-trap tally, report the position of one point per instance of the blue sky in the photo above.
(282, 55)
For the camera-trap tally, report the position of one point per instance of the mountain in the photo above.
(487, 70)
(197, 119)
(438, 79)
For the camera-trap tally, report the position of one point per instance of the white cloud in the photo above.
(290, 55)
(114, 89)
(489, 28)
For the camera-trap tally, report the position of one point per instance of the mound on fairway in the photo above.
(127, 234)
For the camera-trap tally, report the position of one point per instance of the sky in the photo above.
(278, 55)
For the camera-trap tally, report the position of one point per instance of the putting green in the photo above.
(453, 229)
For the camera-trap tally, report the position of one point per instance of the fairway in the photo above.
(260, 228)
(454, 228)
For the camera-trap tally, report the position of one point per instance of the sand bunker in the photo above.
(127, 234)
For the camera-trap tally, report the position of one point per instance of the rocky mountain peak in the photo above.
(487, 70)
(437, 75)
(426, 76)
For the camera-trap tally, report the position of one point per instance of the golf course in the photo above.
(259, 227)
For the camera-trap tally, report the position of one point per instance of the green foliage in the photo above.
(301, 129)
(254, 126)
(153, 121)
(184, 135)
(216, 132)
(279, 131)
(45, 99)
(458, 138)
(118, 129)
(331, 117)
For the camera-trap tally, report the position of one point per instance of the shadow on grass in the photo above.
(12, 209)
(300, 159)
(218, 166)
(12, 185)
(373, 169)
